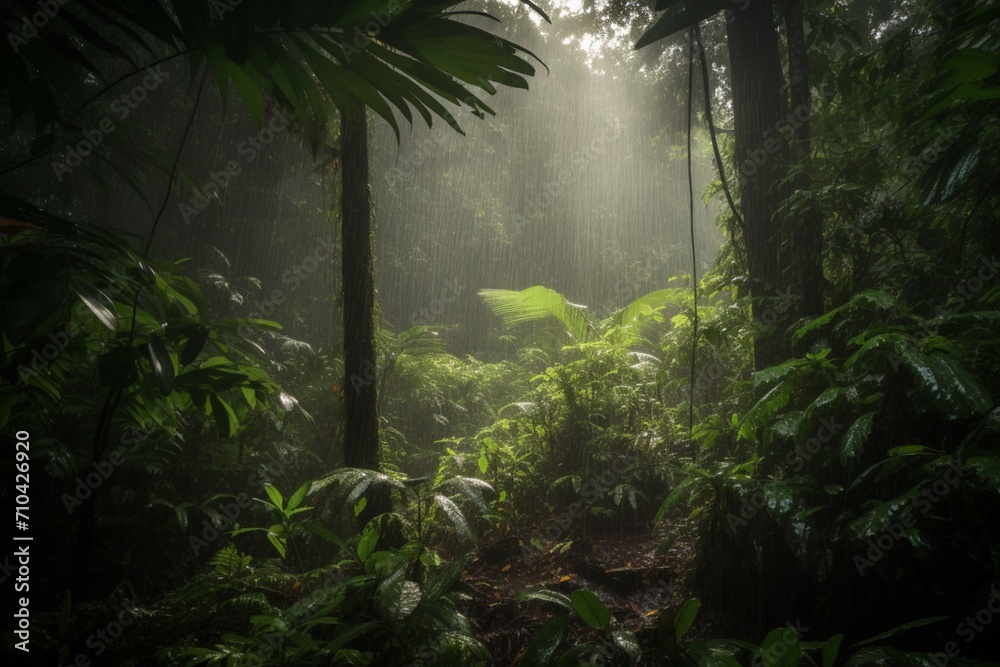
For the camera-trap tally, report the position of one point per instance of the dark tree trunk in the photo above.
(807, 231)
(357, 266)
(762, 161)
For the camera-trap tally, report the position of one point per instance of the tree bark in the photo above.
(807, 230)
(761, 153)
(361, 448)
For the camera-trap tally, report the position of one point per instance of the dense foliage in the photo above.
(188, 457)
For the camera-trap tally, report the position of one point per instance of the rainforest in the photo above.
(500, 332)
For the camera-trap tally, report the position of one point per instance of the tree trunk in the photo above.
(358, 280)
(762, 160)
(807, 230)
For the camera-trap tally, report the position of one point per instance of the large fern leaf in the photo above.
(534, 304)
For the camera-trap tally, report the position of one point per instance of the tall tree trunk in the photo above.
(807, 230)
(358, 280)
(762, 160)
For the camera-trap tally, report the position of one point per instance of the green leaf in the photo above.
(987, 469)
(225, 419)
(542, 649)
(194, 345)
(855, 438)
(629, 643)
(591, 610)
(830, 650)
(483, 463)
(946, 385)
(316, 529)
(911, 450)
(455, 515)
(277, 542)
(248, 90)
(536, 303)
(275, 496)
(299, 494)
(360, 506)
(366, 546)
(445, 579)
(684, 618)
(163, 365)
(789, 654)
(901, 628)
(868, 299)
(547, 596)
(99, 303)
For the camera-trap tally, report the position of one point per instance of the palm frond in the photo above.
(534, 304)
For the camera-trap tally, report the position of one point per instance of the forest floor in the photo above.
(621, 569)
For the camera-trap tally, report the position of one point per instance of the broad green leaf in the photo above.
(275, 496)
(946, 385)
(455, 515)
(445, 579)
(277, 542)
(591, 610)
(854, 439)
(542, 649)
(194, 345)
(299, 494)
(684, 618)
(366, 546)
(781, 648)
